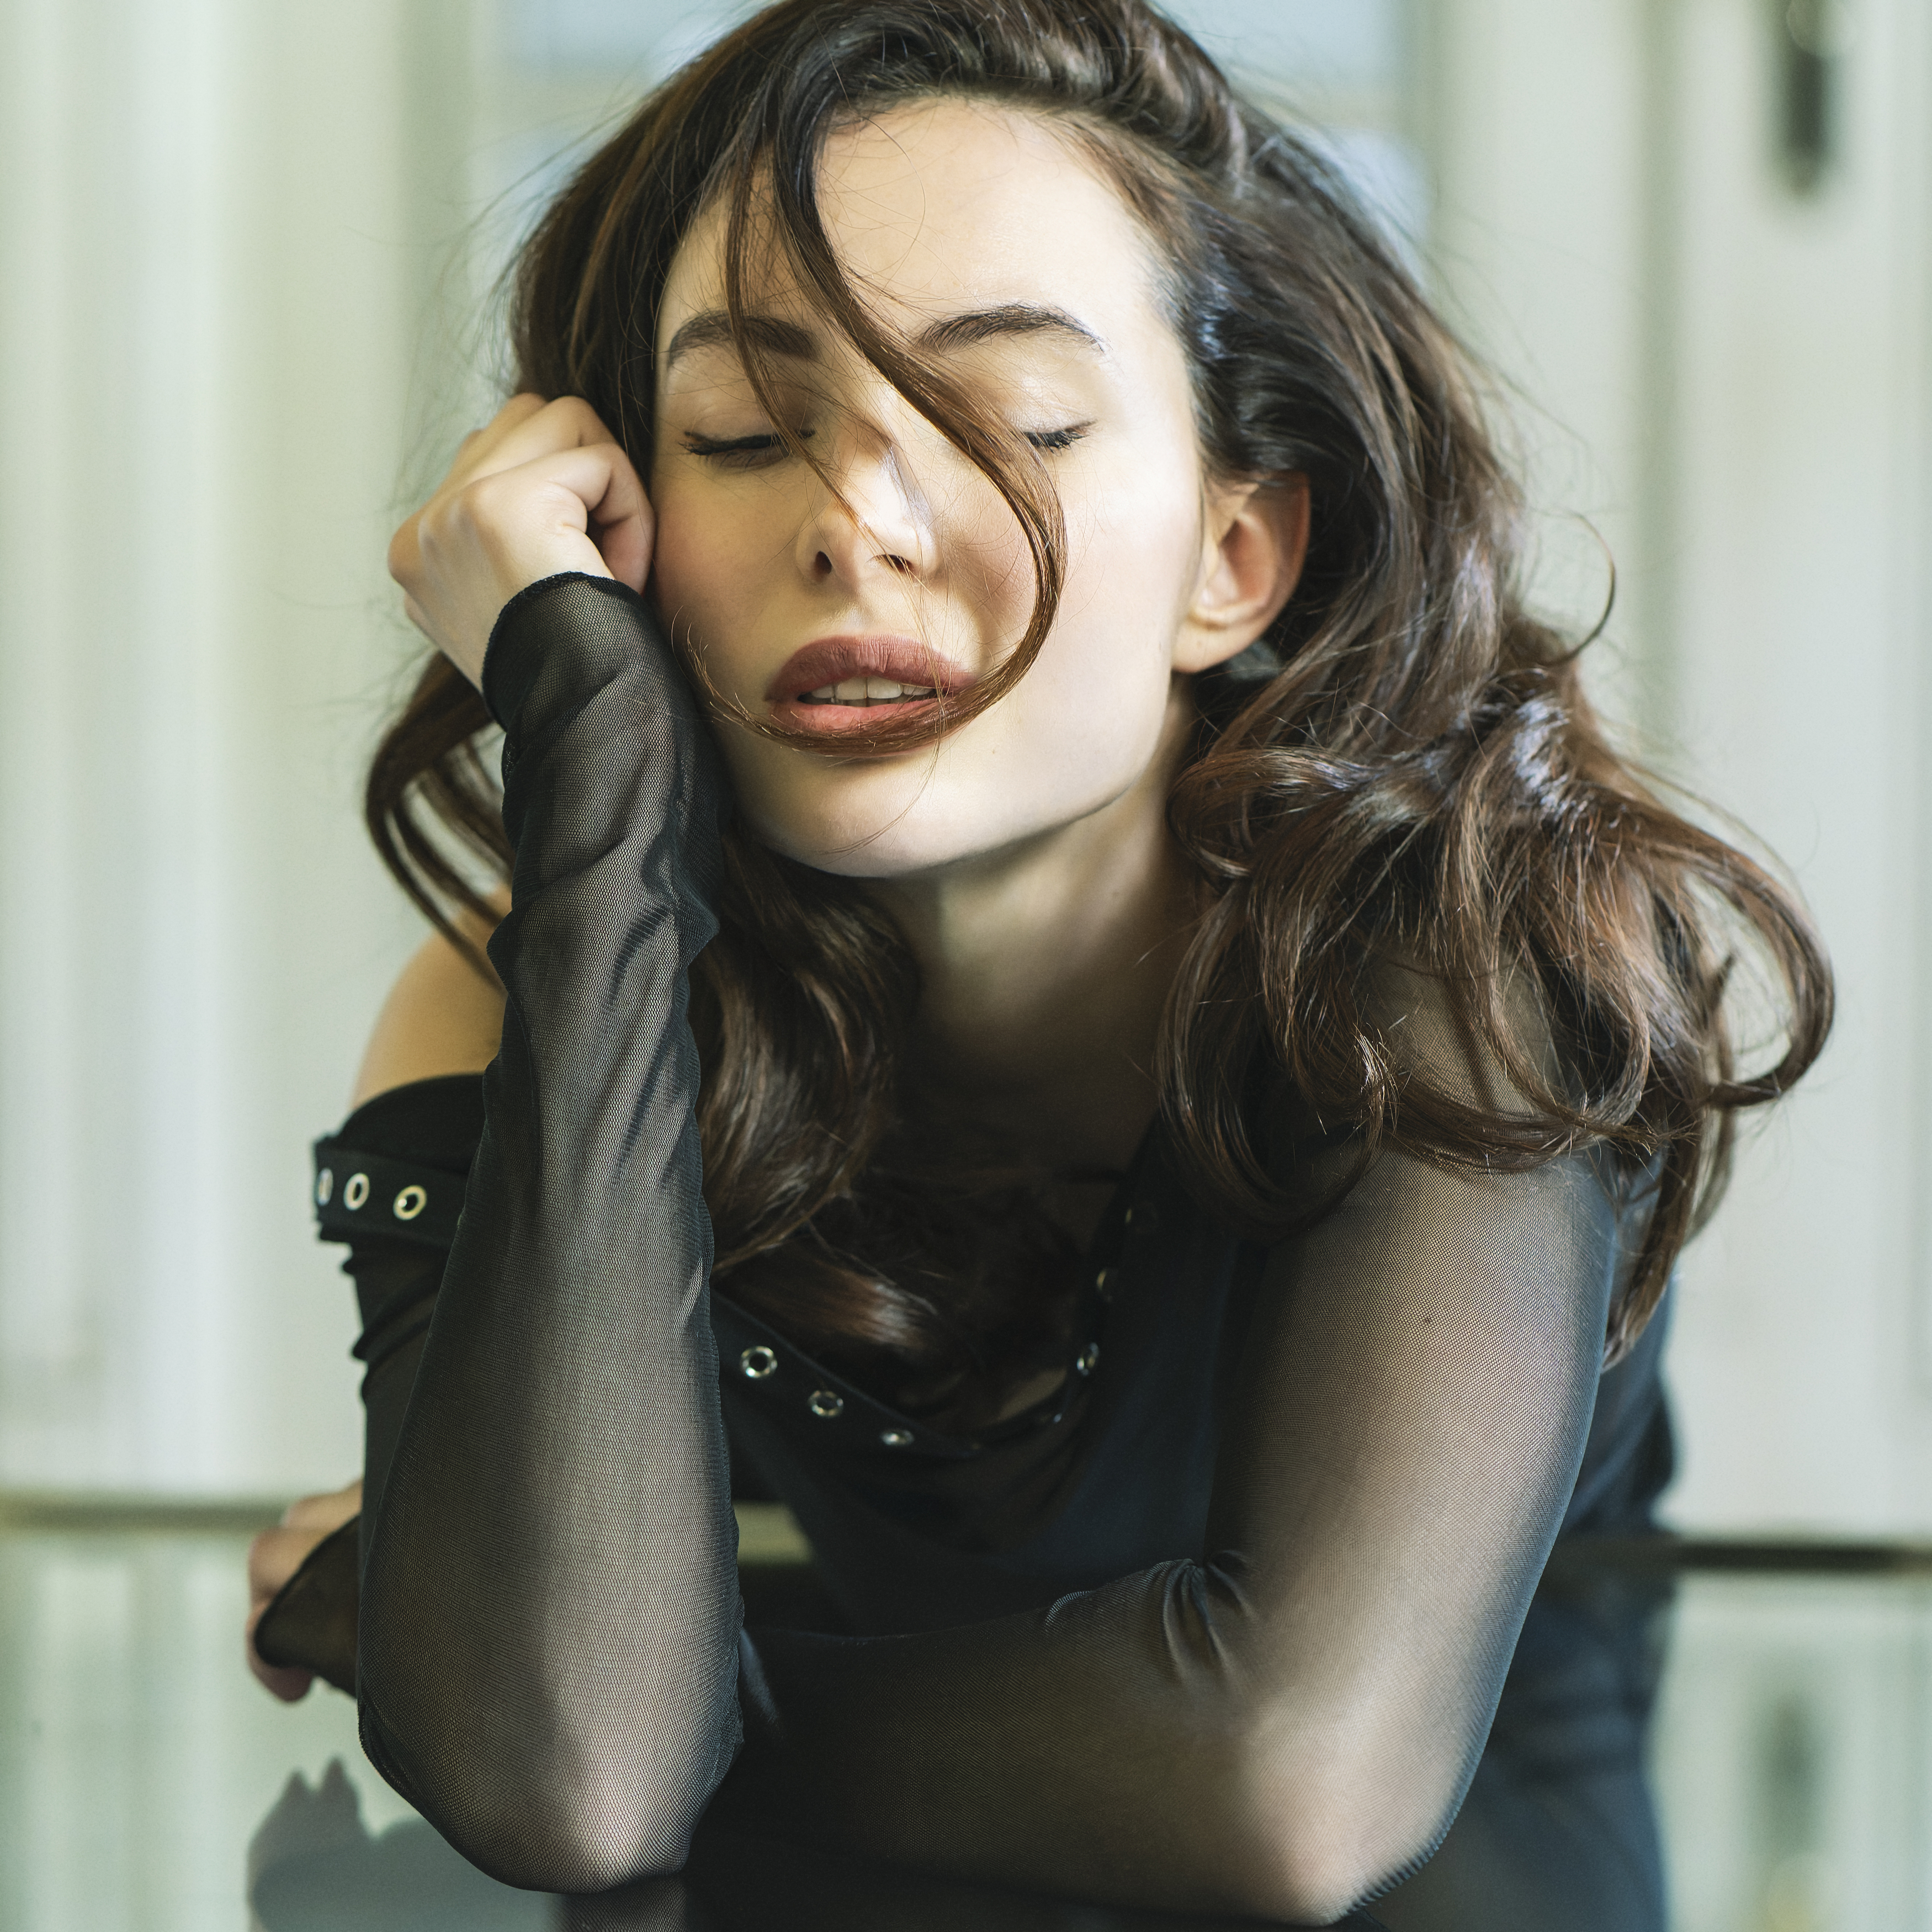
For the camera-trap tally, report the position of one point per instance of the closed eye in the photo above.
(1057, 439)
(740, 452)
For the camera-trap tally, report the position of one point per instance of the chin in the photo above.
(875, 823)
(894, 820)
(891, 852)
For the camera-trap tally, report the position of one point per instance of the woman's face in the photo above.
(990, 243)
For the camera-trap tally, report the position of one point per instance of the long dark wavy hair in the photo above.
(1405, 768)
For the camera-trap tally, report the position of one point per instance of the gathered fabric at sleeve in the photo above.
(548, 1641)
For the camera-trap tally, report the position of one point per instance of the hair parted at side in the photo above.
(1405, 770)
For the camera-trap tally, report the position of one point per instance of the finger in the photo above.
(475, 453)
(593, 490)
(329, 1510)
(568, 423)
(625, 547)
(288, 1682)
(274, 1557)
(477, 445)
(624, 521)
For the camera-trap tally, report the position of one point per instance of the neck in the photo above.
(1044, 970)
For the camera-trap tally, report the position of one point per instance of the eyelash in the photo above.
(740, 452)
(754, 452)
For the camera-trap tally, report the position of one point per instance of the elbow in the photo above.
(581, 1840)
(1318, 1832)
(562, 1815)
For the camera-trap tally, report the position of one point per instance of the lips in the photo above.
(838, 685)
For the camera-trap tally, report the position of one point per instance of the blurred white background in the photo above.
(243, 252)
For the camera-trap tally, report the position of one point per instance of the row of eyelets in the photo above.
(1088, 1359)
(406, 1206)
(758, 1362)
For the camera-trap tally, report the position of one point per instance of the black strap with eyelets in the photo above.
(357, 1192)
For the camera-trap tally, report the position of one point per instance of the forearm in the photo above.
(1145, 1744)
(550, 1614)
(1289, 1727)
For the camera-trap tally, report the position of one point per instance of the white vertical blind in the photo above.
(1731, 381)
(210, 271)
(1803, 336)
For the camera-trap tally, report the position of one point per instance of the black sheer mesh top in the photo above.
(1219, 1624)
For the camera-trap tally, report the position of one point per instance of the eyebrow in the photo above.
(711, 328)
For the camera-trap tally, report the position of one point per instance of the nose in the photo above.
(872, 520)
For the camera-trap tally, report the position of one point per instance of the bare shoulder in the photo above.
(441, 1017)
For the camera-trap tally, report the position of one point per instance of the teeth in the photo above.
(866, 691)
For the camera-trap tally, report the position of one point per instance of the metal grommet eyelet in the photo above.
(827, 1404)
(1088, 1359)
(758, 1362)
(896, 1438)
(1103, 1284)
(408, 1205)
(356, 1192)
(325, 1185)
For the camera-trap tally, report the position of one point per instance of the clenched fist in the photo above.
(274, 1556)
(544, 488)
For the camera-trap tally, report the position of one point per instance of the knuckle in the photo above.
(478, 500)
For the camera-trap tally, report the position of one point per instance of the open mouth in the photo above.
(866, 691)
(852, 685)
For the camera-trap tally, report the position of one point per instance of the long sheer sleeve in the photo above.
(549, 1623)
(1288, 1726)
(551, 1664)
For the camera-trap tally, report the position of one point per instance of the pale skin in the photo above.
(1027, 859)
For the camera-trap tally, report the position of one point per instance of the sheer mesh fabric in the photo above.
(548, 1636)
(1280, 1718)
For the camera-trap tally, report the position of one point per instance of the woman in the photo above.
(1038, 827)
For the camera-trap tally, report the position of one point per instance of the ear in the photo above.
(1254, 540)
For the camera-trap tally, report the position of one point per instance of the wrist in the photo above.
(508, 669)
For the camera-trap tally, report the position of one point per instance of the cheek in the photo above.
(691, 564)
(713, 571)
(1131, 564)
